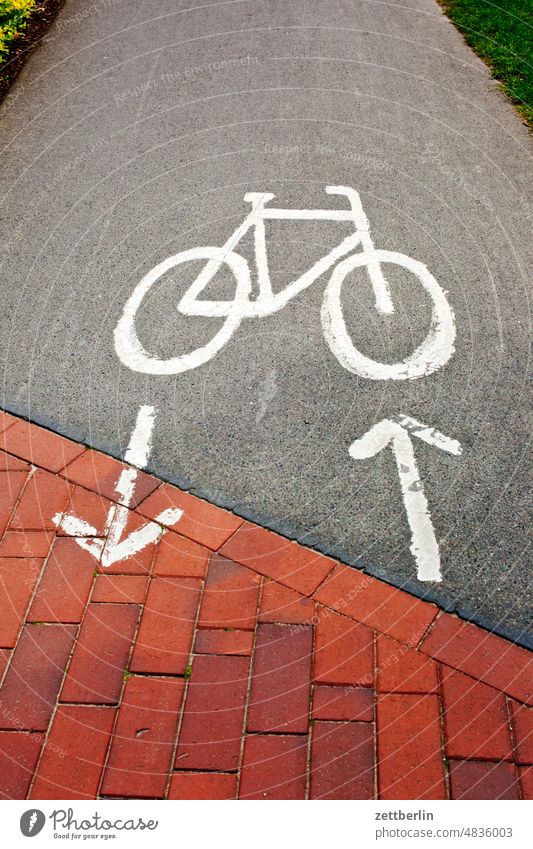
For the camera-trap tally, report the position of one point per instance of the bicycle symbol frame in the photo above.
(433, 353)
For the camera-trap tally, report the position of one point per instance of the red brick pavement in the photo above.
(227, 662)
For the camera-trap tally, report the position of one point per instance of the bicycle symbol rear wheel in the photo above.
(431, 354)
(128, 346)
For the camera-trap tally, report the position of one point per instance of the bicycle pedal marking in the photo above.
(397, 433)
(433, 353)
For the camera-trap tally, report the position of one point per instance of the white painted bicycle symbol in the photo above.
(433, 353)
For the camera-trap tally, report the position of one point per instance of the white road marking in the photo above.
(112, 547)
(128, 346)
(430, 435)
(141, 439)
(397, 432)
(431, 354)
(74, 526)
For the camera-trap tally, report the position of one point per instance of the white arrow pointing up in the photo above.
(113, 547)
(397, 432)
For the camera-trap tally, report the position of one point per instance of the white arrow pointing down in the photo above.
(397, 432)
(112, 547)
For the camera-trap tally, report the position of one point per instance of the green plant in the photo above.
(13, 18)
(188, 672)
(500, 32)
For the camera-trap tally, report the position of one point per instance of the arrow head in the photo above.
(115, 551)
(379, 436)
(430, 435)
(375, 439)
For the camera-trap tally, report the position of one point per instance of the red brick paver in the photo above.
(274, 767)
(18, 758)
(141, 751)
(410, 760)
(121, 589)
(8, 463)
(5, 656)
(99, 473)
(71, 765)
(522, 722)
(97, 668)
(226, 662)
(210, 735)
(526, 781)
(483, 780)
(344, 650)
(376, 604)
(342, 759)
(22, 543)
(177, 555)
(11, 485)
(403, 670)
(280, 604)
(18, 579)
(202, 785)
(201, 522)
(343, 703)
(230, 596)
(39, 446)
(6, 420)
(64, 588)
(33, 679)
(281, 679)
(273, 556)
(45, 496)
(485, 656)
(165, 635)
(477, 724)
(226, 641)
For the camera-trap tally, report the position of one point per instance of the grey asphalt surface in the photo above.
(134, 132)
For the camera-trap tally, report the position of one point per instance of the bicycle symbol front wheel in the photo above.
(432, 354)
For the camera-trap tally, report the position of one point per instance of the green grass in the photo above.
(502, 34)
(14, 16)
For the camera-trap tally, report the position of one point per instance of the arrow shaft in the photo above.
(116, 521)
(137, 454)
(140, 442)
(424, 546)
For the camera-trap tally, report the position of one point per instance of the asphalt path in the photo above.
(134, 133)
